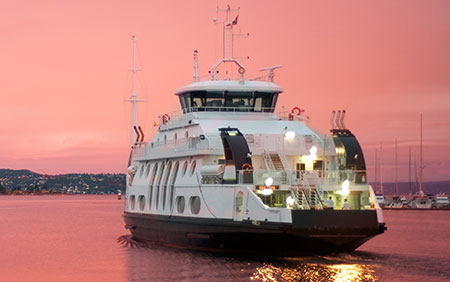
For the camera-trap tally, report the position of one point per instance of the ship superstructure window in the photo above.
(180, 204)
(183, 172)
(166, 179)
(194, 203)
(165, 139)
(193, 165)
(247, 101)
(186, 134)
(175, 137)
(158, 182)
(141, 201)
(152, 180)
(141, 170)
(147, 171)
(132, 201)
(172, 183)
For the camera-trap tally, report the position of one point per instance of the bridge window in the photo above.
(243, 101)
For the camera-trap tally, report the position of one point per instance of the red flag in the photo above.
(235, 20)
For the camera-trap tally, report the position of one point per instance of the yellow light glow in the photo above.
(345, 188)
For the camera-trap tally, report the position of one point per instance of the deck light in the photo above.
(345, 191)
(313, 151)
(268, 182)
(289, 135)
(266, 192)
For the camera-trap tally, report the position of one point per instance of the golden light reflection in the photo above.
(314, 272)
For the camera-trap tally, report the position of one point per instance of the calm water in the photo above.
(81, 238)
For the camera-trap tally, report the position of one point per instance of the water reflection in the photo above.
(314, 272)
(147, 262)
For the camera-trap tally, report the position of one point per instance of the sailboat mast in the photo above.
(421, 159)
(396, 171)
(381, 171)
(376, 169)
(409, 172)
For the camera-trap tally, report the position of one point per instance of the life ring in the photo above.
(241, 70)
(247, 168)
(165, 118)
(296, 111)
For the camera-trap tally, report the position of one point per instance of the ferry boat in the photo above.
(228, 174)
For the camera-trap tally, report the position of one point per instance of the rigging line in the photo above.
(127, 79)
(143, 84)
(201, 193)
(146, 107)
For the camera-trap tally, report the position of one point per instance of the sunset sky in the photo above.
(64, 73)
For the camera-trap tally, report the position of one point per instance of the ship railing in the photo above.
(284, 115)
(307, 178)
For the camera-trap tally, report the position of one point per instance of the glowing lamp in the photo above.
(289, 201)
(268, 182)
(266, 192)
(345, 191)
(313, 151)
(289, 135)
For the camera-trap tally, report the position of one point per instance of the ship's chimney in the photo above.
(138, 136)
(333, 125)
(341, 121)
(338, 117)
(142, 134)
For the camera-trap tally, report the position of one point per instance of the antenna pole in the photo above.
(134, 100)
(195, 75)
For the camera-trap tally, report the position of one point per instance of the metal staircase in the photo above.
(268, 161)
(307, 193)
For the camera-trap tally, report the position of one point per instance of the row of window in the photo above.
(162, 181)
(175, 138)
(194, 203)
(144, 169)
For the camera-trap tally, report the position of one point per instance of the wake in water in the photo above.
(129, 242)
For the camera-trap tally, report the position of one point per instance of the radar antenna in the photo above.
(270, 71)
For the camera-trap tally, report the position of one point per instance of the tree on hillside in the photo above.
(2, 189)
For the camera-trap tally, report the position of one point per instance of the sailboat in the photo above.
(420, 200)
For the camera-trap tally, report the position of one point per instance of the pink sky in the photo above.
(64, 73)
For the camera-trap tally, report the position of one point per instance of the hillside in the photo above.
(28, 181)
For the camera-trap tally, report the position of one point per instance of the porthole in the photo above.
(184, 168)
(132, 202)
(193, 165)
(180, 204)
(141, 201)
(194, 203)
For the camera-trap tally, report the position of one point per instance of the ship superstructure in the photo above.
(228, 173)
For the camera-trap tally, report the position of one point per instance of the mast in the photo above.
(421, 159)
(396, 170)
(227, 56)
(409, 173)
(376, 169)
(134, 100)
(381, 171)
